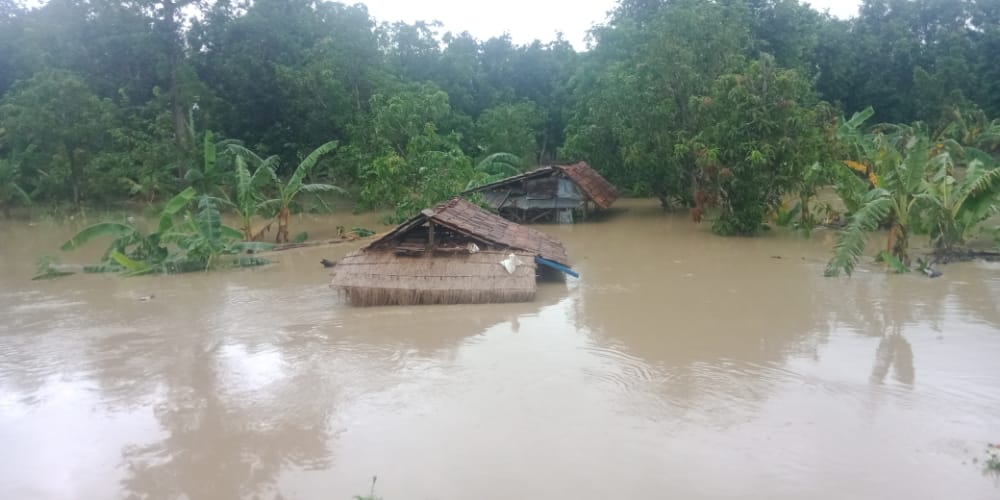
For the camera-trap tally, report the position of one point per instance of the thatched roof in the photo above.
(449, 254)
(477, 224)
(591, 183)
(373, 278)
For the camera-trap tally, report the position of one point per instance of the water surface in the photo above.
(681, 365)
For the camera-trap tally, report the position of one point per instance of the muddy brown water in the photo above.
(680, 365)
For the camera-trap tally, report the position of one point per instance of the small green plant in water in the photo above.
(371, 492)
(199, 242)
(895, 265)
(992, 462)
(45, 268)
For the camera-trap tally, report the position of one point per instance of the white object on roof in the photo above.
(510, 263)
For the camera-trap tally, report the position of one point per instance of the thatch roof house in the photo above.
(549, 193)
(454, 253)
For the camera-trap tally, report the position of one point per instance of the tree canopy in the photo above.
(728, 101)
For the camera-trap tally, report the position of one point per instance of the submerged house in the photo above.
(549, 194)
(451, 254)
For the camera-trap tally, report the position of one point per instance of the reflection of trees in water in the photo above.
(222, 442)
(218, 446)
(887, 306)
(882, 306)
(895, 352)
(721, 316)
(218, 438)
(707, 317)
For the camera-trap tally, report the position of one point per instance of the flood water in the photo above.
(680, 365)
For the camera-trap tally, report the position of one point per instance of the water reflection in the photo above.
(677, 356)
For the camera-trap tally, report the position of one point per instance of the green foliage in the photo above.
(495, 167)
(759, 134)
(634, 116)
(785, 218)
(895, 265)
(249, 199)
(921, 193)
(55, 126)
(992, 461)
(509, 128)
(197, 242)
(953, 208)
(418, 166)
(210, 177)
(874, 209)
(371, 493)
(11, 192)
(250, 194)
(107, 110)
(45, 268)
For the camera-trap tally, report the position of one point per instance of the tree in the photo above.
(210, 178)
(56, 126)
(759, 134)
(416, 166)
(902, 171)
(495, 167)
(510, 128)
(288, 191)
(633, 97)
(954, 207)
(11, 192)
(249, 199)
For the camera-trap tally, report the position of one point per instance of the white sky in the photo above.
(525, 20)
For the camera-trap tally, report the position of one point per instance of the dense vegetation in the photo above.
(726, 107)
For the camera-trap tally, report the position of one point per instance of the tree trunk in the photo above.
(178, 115)
(74, 177)
(899, 243)
(283, 218)
(178, 110)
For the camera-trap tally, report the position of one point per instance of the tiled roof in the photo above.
(464, 217)
(598, 189)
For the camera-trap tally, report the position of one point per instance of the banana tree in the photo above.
(249, 200)
(495, 167)
(130, 247)
(202, 240)
(288, 191)
(209, 178)
(955, 207)
(894, 202)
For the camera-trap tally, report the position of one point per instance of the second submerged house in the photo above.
(451, 254)
(548, 194)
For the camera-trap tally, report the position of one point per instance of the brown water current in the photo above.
(680, 365)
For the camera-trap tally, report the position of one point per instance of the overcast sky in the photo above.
(525, 20)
